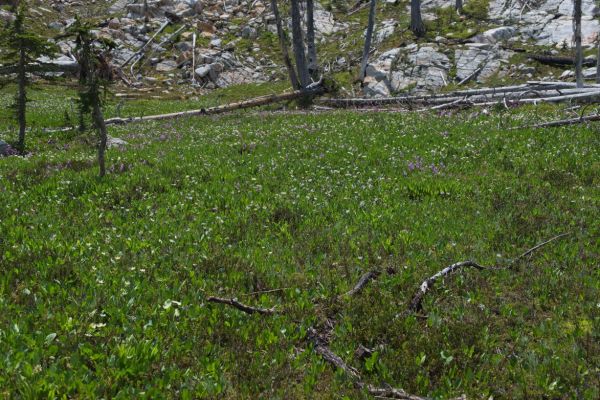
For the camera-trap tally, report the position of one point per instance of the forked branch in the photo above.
(416, 304)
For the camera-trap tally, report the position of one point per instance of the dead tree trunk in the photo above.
(416, 22)
(284, 47)
(22, 100)
(102, 133)
(577, 38)
(312, 90)
(598, 60)
(458, 6)
(299, 50)
(313, 67)
(146, 16)
(368, 38)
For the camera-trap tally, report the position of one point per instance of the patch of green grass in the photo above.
(105, 282)
(477, 9)
(60, 108)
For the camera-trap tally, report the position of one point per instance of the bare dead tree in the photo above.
(458, 6)
(416, 21)
(313, 66)
(368, 38)
(298, 44)
(283, 44)
(577, 38)
(598, 60)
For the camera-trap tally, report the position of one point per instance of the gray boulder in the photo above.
(166, 66)
(499, 34)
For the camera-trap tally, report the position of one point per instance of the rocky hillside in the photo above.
(493, 41)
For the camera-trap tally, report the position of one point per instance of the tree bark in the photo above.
(22, 95)
(313, 66)
(458, 6)
(578, 48)
(598, 61)
(298, 41)
(102, 133)
(22, 101)
(284, 47)
(368, 38)
(416, 22)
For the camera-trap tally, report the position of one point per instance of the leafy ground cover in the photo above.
(104, 283)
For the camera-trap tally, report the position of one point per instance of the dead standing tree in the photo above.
(298, 45)
(283, 44)
(368, 39)
(303, 44)
(313, 66)
(416, 21)
(577, 39)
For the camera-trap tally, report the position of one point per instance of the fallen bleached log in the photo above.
(256, 102)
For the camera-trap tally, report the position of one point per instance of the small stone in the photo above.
(249, 32)
(115, 142)
(166, 66)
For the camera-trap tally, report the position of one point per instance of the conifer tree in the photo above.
(95, 74)
(24, 47)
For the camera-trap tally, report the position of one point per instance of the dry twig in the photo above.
(242, 307)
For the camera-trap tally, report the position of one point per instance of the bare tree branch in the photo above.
(242, 307)
(362, 282)
(417, 300)
(416, 304)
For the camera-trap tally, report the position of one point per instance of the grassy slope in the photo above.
(104, 283)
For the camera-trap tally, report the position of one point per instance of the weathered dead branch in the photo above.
(562, 122)
(242, 307)
(321, 348)
(537, 247)
(320, 339)
(362, 282)
(416, 304)
(138, 54)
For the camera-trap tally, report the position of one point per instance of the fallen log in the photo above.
(560, 61)
(451, 96)
(256, 102)
(562, 122)
(586, 96)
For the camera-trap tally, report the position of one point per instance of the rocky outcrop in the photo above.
(419, 67)
(547, 22)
